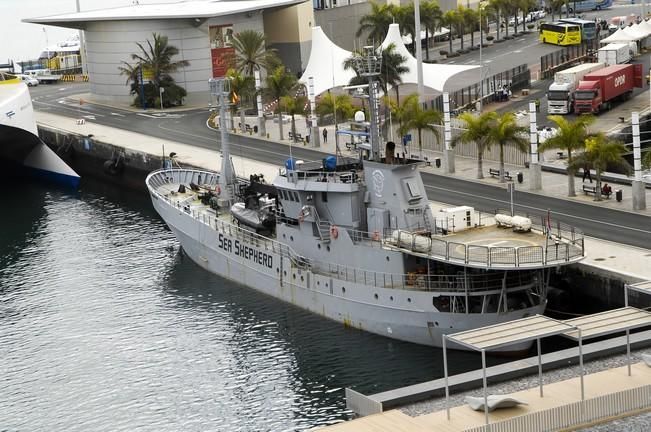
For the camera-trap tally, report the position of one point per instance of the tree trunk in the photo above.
(524, 21)
(293, 129)
(598, 187)
(480, 164)
(571, 190)
(472, 38)
(462, 33)
(426, 44)
(398, 95)
(280, 123)
(502, 163)
(450, 38)
(499, 25)
(420, 142)
(506, 26)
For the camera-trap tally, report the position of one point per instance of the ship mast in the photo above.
(220, 88)
(369, 64)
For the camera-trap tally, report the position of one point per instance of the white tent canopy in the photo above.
(636, 33)
(619, 36)
(646, 25)
(326, 64)
(434, 75)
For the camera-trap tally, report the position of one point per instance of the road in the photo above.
(190, 127)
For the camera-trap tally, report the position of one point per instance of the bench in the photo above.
(496, 173)
(587, 189)
(299, 137)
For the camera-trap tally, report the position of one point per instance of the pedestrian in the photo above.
(586, 173)
(325, 135)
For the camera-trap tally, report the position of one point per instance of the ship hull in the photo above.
(20, 144)
(230, 252)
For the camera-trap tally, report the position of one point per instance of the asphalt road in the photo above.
(190, 127)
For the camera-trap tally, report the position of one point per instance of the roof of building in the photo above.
(181, 9)
(604, 323)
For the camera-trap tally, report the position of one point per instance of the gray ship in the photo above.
(355, 240)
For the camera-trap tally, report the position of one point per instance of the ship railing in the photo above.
(352, 176)
(421, 281)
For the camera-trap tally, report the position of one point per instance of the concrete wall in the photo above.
(109, 43)
(289, 30)
(341, 23)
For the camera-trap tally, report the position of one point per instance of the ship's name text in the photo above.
(244, 251)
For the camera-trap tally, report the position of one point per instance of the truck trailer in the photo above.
(599, 89)
(615, 53)
(560, 95)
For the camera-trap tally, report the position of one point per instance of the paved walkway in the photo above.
(557, 394)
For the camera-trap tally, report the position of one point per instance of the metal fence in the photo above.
(566, 57)
(575, 414)
(465, 98)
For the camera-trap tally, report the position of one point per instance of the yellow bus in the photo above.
(559, 33)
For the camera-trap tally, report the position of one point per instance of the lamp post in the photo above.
(47, 49)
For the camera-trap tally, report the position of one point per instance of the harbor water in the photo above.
(105, 325)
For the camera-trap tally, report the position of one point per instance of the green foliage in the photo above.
(155, 57)
(477, 131)
(376, 23)
(327, 102)
(571, 134)
(251, 52)
(506, 132)
(412, 115)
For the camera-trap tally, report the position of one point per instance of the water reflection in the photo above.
(114, 329)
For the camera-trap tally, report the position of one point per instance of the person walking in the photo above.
(325, 135)
(586, 173)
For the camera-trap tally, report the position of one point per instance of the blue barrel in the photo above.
(290, 164)
(330, 163)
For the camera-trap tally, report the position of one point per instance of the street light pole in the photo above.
(161, 90)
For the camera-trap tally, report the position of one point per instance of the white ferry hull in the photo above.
(19, 140)
(395, 313)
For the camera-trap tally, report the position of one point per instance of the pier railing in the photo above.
(575, 414)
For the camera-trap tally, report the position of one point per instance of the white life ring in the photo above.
(334, 232)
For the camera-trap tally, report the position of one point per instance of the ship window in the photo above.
(296, 197)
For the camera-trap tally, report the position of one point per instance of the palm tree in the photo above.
(422, 119)
(495, 10)
(431, 16)
(393, 67)
(279, 84)
(600, 152)
(294, 106)
(505, 132)
(376, 23)
(242, 89)
(476, 131)
(525, 7)
(157, 58)
(646, 160)
(452, 19)
(400, 112)
(571, 136)
(470, 20)
(251, 52)
(404, 17)
(328, 102)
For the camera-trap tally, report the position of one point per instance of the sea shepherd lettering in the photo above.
(245, 252)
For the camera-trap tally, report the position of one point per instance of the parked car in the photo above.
(29, 80)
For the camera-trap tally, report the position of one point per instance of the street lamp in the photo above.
(47, 48)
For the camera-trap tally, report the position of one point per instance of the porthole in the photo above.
(294, 276)
(343, 289)
(284, 236)
(387, 258)
(326, 284)
(277, 270)
(408, 300)
(376, 296)
(318, 282)
(285, 272)
(391, 298)
(318, 245)
(291, 238)
(302, 279)
(328, 248)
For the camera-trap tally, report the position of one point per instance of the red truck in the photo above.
(598, 89)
